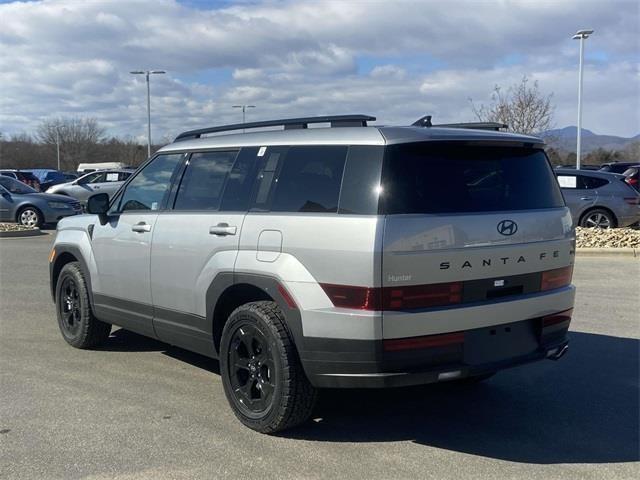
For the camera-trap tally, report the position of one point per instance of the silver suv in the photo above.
(347, 256)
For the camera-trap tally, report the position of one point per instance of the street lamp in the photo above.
(244, 109)
(146, 73)
(581, 35)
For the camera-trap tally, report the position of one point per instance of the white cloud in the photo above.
(302, 58)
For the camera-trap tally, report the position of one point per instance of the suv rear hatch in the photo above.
(473, 226)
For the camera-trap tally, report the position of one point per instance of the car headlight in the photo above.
(58, 205)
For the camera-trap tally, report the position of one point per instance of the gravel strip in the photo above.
(607, 238)
(13, 227)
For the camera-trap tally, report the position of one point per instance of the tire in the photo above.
(271, 393)
(598, 218)
(30, 217)
(77, 324)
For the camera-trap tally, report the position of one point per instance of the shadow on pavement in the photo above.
(581, 409)
(584, 408)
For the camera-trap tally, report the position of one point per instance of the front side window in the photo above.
(149, 190)
(15, 186)
(203, 181)
(310, 180)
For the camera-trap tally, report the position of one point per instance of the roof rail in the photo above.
(426, 122)
(287, 123)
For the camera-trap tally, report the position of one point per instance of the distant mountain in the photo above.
(565, 139)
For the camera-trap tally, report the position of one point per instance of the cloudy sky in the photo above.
(396, 60)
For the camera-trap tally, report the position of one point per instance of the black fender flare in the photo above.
(271, 286)
(56, 265)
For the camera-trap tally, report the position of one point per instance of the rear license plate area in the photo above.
(500, 342)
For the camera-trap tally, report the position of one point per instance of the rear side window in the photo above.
(203, 181)
(310, 180)
(580, 182)
(432, 178)
(592, 182)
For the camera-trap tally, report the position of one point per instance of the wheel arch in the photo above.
(65, 254)
(230, 290)
(598, 207)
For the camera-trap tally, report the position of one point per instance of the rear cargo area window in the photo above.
(432, 178)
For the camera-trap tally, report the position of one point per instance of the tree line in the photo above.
(81, 140)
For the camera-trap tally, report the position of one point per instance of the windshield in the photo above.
(432, 178)
(14, 186)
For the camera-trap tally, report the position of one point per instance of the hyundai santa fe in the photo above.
(345, 256)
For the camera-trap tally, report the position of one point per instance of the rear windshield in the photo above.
(444, 178)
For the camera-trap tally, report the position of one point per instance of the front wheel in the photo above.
(30, 217)
(261, 373)
(77, 324)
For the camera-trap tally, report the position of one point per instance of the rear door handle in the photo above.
(141, 227)
(222, 229)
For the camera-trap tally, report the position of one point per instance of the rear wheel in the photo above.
(77, 324)
(262, 376)
(30, 217)
(598, 218)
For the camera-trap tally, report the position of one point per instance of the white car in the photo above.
(104, 181)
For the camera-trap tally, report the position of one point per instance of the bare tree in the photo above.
(79, 138)
(522, 107)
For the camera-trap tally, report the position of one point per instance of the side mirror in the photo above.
(98, 204)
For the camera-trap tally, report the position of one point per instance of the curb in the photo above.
(22, 233)
(626, 252)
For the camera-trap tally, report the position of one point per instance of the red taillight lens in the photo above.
(421, 296)
(347, 296)
(394, 298)
(560, 277)
(556, 318)
(429, 341)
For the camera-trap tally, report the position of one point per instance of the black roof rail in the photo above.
(426, 122)
(287, 123)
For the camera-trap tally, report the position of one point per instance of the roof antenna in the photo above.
(423, 122)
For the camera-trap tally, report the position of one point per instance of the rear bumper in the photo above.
(331, 363)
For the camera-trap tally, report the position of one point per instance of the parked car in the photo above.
(70, 176)
(631, 176)
(27, 178)
(21, 203)
(599, 199)
(328, 257)
(617, 167)
(48, 177)
(94, 167)
(104, 181)
(582, 166)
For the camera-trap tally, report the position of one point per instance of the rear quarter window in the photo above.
(436, 178)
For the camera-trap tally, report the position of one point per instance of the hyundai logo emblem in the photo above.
(507, 227)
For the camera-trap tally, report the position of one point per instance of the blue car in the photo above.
(21, 203)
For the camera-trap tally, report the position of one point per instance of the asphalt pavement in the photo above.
(138, 408)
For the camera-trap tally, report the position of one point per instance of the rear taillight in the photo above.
(560, 277)
(429, 341)
(394, 298)
(421, 296)
(347, 296)
(557, 318)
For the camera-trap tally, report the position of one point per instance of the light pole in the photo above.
(581, 35)
(244, 109)
(146, 73)
(58, 144)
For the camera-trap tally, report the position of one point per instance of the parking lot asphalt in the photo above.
(138, 408)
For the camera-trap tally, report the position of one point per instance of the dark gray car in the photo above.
(599, 199)
(103, 181)
(21, 203)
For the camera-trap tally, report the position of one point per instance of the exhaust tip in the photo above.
(557, 353)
